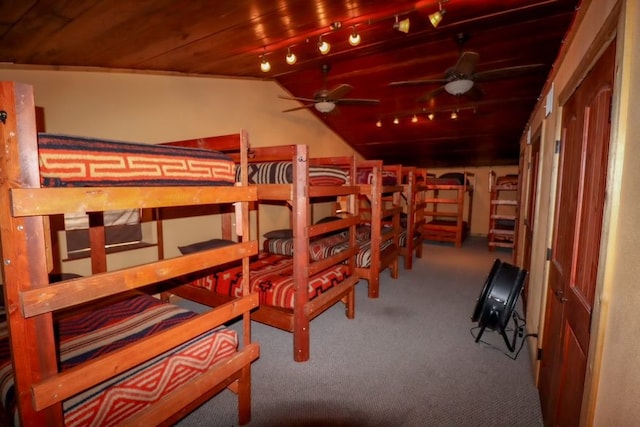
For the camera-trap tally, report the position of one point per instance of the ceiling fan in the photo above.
(462, 77)
(325, 101)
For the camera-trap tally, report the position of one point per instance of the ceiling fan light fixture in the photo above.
(323, 46)
(458, 87)
(354, 38)
(291, 57)
(325, 106)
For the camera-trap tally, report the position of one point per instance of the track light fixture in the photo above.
(414, 119)
(454, 115)
(431, 116)
(396, 120)
(291, 57)
(436, 17)
(402, 26)
(354, 38)
(323, 46)
(379, 123)
(265, 66)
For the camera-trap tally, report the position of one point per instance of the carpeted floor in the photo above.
(407, 359)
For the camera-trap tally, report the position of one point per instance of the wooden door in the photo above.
(532, 179)
(576, 244)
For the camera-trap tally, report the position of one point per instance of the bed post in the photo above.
(376, 221)
(300, 205)
(24, 264)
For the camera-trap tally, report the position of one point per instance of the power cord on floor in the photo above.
(520, 331)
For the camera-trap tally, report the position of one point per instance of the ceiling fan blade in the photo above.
(357, 101)
(298, 108)
(296, 98)
(339, 91)
(430, 95)
(502, 73)
(467, 62)
(418, 82)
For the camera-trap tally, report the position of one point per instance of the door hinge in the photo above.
(549, 254)
(558, 146)
(539, 355)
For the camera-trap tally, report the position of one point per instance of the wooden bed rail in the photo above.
(224, 143)
(74, 380)
(25, 201)
(72, 292)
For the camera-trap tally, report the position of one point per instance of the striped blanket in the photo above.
(324, 247)
(88, 335)
(71, 161)
(365, 176)
(282, 173)
(272, 278)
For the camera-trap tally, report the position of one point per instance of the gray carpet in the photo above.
(407, 359)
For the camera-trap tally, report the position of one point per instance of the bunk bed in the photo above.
(379, 209)
(295, 279)
(503, 211)
(449, 214)
(413, 218)
(100, 349)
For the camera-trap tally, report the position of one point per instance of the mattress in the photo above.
(71, 161)
(327, 246)
(507, 181)
(282, 173)
(450, 178)
(108, 328)
(272, 278)
(365, 176)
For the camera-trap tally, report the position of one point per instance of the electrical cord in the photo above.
(520, 335)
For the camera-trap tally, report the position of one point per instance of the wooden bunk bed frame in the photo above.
(384, 206)
(448, 225)
(31, 301)
(414, 196)
(299, 196)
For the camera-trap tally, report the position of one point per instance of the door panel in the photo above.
(576, 244)
(571, 381)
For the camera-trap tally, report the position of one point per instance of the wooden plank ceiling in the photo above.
(228, 38)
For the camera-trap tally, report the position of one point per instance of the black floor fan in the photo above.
(496, 304)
